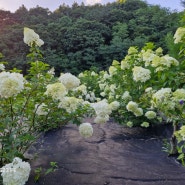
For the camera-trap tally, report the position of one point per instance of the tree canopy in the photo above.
(81, 37)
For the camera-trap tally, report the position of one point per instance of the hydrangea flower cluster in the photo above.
(86, 130)
(11, 84)
(133, 107)
(179, 35)
(145, 124)
(70, 81)
(70, 104)
(57, 91)
(150, 114)
(102, 110)
(19, 173)
(141, 74)
(30, 38)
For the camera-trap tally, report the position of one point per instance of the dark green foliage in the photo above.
(80, 37)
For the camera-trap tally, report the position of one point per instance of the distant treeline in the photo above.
(82, 37)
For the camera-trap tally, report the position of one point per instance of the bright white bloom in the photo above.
(70, 104)
(148, 56)
(57, 91)
(150, 114)
(179, 35)
(141, 74)
(101, 119)
(126, 96)
(2, 67)
(52, 71)
(41, 109)
(93, 73)
(161, 94)
(102, 86)
(125, 65)
(112, 70)
(179, 94)
(17, 173)
(106, 76)
(114, 105)
(132, 106)
(11, 84)
(103, 94)
(138, 112)
(102, 110)
(82, 88)
(81, 75)
(30, 38)
(86, 130)
(102, 107)
(149, 89)
(70, 81)
(145, 124)
(168, 61)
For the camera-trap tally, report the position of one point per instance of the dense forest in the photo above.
(83, 37)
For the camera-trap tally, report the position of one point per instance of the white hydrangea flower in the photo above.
(16, 173)
(179, 35)
(148, 56)
(86, 130)
(145, 124)
(102, 107)
(149, 89)
(126, 96)
(70, 81)
(138, 112)
(141, 74)
(30, 38)
(150, 114)
(112, 70)
(70, 104)
(57, 91)
(132, 106)
(11, 84)
(168, 61)
(41, 109)
(179, 94)
(102, 110)
(114, 105)
(101, 119)
(2, 67)
(125, 65)
(161, 94)
(130, 124)
(82, 88)
(52, 71)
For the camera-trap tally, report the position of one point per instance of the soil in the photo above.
(114, 155)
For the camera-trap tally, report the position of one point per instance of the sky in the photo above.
(13, 5)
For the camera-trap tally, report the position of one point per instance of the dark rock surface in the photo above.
(113, 156)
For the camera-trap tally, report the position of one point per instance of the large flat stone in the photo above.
(113, 156)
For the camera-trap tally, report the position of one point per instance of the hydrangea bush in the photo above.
(147, 85)
(34, 103)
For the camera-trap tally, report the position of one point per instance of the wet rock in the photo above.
(114, 155)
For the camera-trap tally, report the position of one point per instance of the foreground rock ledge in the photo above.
(113, 156)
